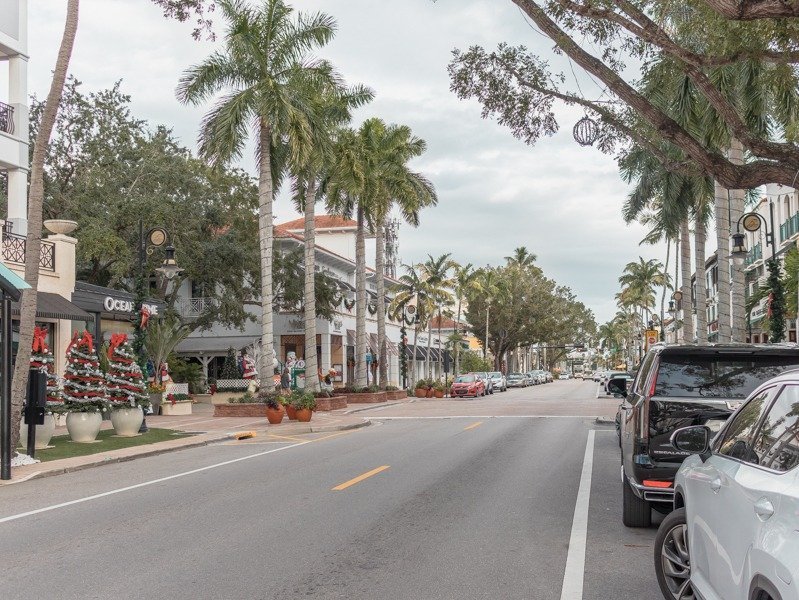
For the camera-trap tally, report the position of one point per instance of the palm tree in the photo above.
(330, 108)
(640, 280)
(412, 293)
(522, 258)
(33, 243)
(485, 284)
(265, 68)
(370, 175)
(437, 284)
(463, 281)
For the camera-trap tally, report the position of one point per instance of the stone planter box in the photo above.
(179, 408)
(203, 398)
(335, 403)
(396, 395)
(240, 410)
(224, 397)
(366, 398)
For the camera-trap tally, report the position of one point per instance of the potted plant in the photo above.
(438, 389)
(176, 405)
(291, 412)
(125, 387)
(274, 408)
(304, 404)
(421, 388)
(156, 393)
(84, 389)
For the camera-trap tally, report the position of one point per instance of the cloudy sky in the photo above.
(558, 199)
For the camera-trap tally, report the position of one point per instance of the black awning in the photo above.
(53, 306)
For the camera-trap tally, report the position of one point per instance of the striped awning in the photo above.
(53, 306)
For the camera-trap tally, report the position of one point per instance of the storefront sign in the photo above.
(126, 306)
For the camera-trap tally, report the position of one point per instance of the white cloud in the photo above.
(560, 200)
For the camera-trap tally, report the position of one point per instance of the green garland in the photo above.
(776, 303)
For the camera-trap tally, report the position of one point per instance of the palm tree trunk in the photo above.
(33, 243)
(701, 289)
(428, 364)
(265, 233)
(457, 345)
(721, 208)
(413, 360)
(380, 249)
(360, 303)
(738, 277)
(663, 294)
(685, 267)
(311, 363)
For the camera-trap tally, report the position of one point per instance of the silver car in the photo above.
(733, 535)
(498, 381)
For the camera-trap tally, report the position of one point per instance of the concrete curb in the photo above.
(605, 421)
(216, 439)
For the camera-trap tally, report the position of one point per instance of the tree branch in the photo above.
(752, 10)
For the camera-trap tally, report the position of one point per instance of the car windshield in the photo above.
(466, 379)
(718, 375)
(495, 374)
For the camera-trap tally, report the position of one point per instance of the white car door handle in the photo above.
(715, 484)
(764, 509)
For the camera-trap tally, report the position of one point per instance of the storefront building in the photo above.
(111, 311)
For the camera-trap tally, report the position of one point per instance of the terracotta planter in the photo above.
(274, 415)
(431, 393)
(83, 427)
(304, 415)
(439, 393)
(421, 393)
(127, 421)
(291, 412)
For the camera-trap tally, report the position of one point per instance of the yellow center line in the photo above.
(360, 478)
(472, 426)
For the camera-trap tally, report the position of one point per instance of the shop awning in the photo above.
(53, 306)
(215, 345)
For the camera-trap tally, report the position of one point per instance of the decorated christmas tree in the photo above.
(125, 383)
(42, 359)
(230, 368)
(84, 382)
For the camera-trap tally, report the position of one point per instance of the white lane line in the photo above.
(575, 560)
(443, 417)
(30, 513)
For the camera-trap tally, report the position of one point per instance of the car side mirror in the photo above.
(695, 440)
(618, 387)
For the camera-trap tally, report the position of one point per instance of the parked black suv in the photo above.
(677, 386)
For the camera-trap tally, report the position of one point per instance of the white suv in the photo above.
(733, 535)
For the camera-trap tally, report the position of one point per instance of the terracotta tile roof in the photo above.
(445, 323)
(321, 222)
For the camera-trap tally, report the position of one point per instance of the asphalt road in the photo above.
(445, 508)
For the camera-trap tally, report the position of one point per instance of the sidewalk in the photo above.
(207, 429)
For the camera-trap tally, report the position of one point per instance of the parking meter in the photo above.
(35, 404)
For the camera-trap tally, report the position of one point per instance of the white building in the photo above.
(14, 109)
(335, 338)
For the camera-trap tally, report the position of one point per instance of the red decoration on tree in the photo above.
(42, 359)
(145, 317)
(770, 300)
(124, 380)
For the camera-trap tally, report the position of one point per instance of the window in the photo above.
(776, 445)
(737, 440)
(717, 375)
(643, 374)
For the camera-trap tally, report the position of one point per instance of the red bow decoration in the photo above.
(39, 337)
(770, 300)
(73, 342)
(145, 317)
(87, 340)
(117, 339)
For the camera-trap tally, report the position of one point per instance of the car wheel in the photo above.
(636, 511)
(673, 559)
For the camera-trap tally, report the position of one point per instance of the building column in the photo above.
(325, 359)
(278, 348)
(18, 178)
(205, 361)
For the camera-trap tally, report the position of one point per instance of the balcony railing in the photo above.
(194, 307)
(14, 251)
(790, 228)
(6, 117)
(756, 253)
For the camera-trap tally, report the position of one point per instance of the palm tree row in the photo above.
(297, 107)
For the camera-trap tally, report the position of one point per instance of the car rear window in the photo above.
(718, 375)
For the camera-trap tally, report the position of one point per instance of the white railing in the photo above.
(177, 388)
(194, 307)
(232, 385)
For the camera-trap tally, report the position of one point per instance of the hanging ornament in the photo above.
(586, 131)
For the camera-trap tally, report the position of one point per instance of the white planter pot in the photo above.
(178, 409)
(126, 421)
(43, 432)
(83, 427)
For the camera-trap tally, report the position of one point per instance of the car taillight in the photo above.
(657, 484)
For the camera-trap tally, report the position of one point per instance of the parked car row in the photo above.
(709, 437)
(528, 379)
(479, 384)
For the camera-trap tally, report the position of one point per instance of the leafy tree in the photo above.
(230, 368)
(266, 72)
(472, 362)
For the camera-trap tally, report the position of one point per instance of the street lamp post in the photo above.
(156, 237)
